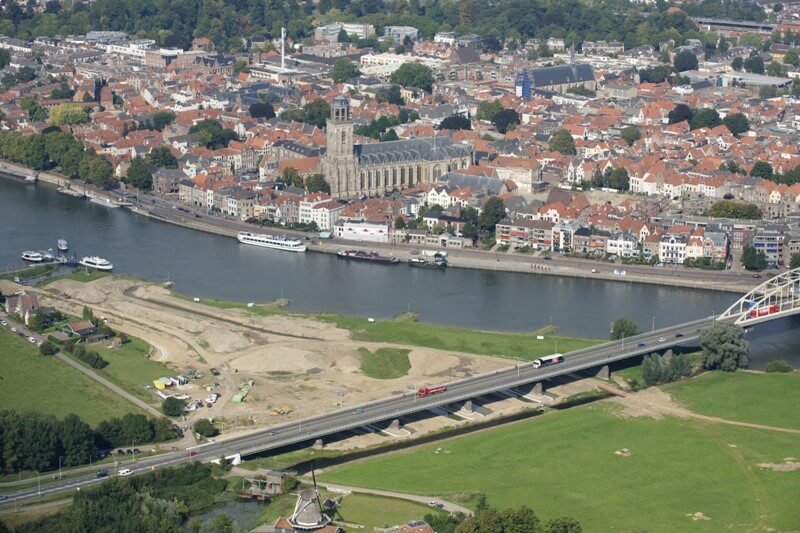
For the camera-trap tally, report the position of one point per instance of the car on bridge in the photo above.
(641, 345)
(102, 473)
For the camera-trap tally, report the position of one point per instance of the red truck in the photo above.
(427, 391)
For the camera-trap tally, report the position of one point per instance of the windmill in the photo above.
(308, 515)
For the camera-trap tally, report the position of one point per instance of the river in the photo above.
(205, 265)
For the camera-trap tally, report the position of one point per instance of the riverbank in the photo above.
(471, 259)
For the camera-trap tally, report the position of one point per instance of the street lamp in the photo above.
(654, 323)
(38, 484)
(59, 467)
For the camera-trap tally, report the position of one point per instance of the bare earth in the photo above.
(297, 366)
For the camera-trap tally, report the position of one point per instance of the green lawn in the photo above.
(564, 464)
(385, 363)
(130, 367)
(31, 382)
(375, 511)
(79, 274)
(29, 272)
(410, 332)
(268, 309)
(770, 399)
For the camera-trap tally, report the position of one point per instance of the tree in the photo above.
(561, 141)
(455, 122)
(5, 58)
(399, 223)
(390, 95)
(173, 406)
(505, 119)
(729, 209)
(487, 109)
(139, 175)
(162, 119)
(685, 60)
(240, 66)
(791, 58)
(737, 123)
(737, 64)
(213, 134)
(651, 370)
(317, 112)
(754, 64)
(623, 328)
(765, 92)
(25, 74)
(261, 110)
(631, 134)
(761, 169)
(292, 177)
(390, 135)
(342, 37)
(562, 524)
(289, 483)
(161, 157)
(519, 520)
(679, 113)
(414, 75)
(753, 259)
(794, 260)
(317, 183)
(205, 428)
(97, 170)
(494, 210)
(723, 347)
(704, 118)
(221, 523)
(343, 70)
(776, 69)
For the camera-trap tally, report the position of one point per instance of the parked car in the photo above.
(2, 497)
(102, 473)
(3, 322)
(13, 329)
(31, 340)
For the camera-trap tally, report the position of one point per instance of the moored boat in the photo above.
(275, 242)
(31, 256)
(95, 262)
(424, 263)
(63, 246)
(374, 257)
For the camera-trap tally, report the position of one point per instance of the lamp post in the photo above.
(654, 323)
(38, 484)
(59, 467)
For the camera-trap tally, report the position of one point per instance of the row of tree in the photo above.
(35, 442)
(664, 369)
(57, 150)
(705, 117)
(729, 209)
(380, 127)
(511, 520)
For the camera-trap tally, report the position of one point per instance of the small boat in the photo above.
(95, 262)
(424, 263)
(33, 257)
(104, 201)
(62, 245)
(47, 255)
(30, 178)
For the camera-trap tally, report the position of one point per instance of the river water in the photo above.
(205, 265)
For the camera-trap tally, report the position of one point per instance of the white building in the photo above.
(330, 32)
(623, 244)
(672, 249)
(361, 231)
(445, 37)
(398, 34)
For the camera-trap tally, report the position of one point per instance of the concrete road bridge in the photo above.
(774, 299)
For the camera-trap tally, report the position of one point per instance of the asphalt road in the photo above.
(396, 406)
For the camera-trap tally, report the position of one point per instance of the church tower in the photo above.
(339, 160)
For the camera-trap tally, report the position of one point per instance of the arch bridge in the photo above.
(777, 297)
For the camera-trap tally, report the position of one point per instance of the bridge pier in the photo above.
(318, 444)
(468, 406)
(604, 373)
(538, 389)
(395, 425)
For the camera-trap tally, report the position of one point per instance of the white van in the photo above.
(124, 472)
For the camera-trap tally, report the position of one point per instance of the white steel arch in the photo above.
(777, 297)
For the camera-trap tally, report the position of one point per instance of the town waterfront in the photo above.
(205, 265)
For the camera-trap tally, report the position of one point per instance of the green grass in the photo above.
(31, 382)
(385, 363)
(404, 331)
(281, 506)
(376, 511)
(564, 464)
(29, 272)
(268, 309)
(770, 399)
(79, 274)
(130, 367)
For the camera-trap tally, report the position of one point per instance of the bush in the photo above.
(288, 484)
(779, 366)
(173, 406)
(48, 348)
(92, 359)
(205, 428)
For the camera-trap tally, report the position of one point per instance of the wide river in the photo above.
(205, 265)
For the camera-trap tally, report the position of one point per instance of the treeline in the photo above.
(174, 23)
(157, 501)
(34, 441)
(657, 369)
(512, 520)
(728, 209)
(377, 129)
(57, 150)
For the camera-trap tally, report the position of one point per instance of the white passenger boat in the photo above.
(95, 262)
(63, 246)
(33, 257)
(283, 242)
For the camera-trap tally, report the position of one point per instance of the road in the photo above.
(397, 406)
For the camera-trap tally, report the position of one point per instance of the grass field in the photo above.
(79, 274)
(31, 382)
(29, 272)
(130, 367)
(268, 309)
(375, 511)
(770, 399)
(564, 464)
(410, 332)
(385, 363)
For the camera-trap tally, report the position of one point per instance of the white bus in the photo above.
(549, 360)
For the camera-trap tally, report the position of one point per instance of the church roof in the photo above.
(562, 74)
(419, 149)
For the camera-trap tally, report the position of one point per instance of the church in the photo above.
(355, 170)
